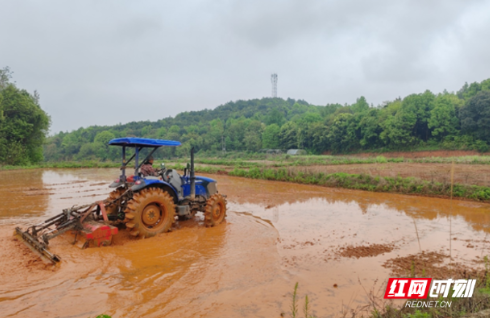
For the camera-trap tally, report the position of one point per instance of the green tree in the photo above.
(146, 131)
(468, 91)
(270, 137)
(87, 151)
(370, 129)
(475, 116)
(418, 107)
(361, 105)
(398, 126)
(288, 136)
(104, 137)
(173, 133)
(308, 119)
(235, 133)
(275, 117)
(162, 131)
(342, 133)
(252, 139)
(23, 126)
(317, 138)
(443, 120)
(70, 144)
(5, 76)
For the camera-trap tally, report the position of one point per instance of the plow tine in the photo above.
(37, 247)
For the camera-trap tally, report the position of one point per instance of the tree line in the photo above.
(23, 124)
(459, 120)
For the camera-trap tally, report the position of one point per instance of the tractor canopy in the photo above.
(138, 144)
(143, 142)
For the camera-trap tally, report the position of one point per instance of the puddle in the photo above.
(328, 240)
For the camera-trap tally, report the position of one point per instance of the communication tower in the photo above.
(274, 84)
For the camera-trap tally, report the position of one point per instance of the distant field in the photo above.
(419, 175)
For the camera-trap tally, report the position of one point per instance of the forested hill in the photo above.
(458, 120)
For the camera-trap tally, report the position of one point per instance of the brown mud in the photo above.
(276, 234)
(365, 250)
(433, 264)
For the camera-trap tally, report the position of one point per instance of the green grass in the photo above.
(367, 182)
(65, 165)
(294, 305)
(310, 160)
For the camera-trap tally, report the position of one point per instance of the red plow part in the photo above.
(95, 234)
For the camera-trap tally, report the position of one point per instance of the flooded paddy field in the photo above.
(337, 244)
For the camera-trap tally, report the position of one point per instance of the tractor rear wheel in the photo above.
(150, 212)
(215, 210)
(112, 209)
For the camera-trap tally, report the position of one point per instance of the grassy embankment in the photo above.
(276, 161)
(286, 161)
(366, 182)
(277, 168)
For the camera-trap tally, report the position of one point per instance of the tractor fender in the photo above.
(165, 186)
(116, 184)
(200, 189)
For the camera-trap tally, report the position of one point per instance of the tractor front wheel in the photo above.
(215, 211)
(150, 212)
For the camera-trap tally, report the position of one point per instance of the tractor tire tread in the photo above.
(137, 205)
(215, 199)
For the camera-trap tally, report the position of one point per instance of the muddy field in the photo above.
(337, 244)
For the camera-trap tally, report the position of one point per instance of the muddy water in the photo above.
(276, 234)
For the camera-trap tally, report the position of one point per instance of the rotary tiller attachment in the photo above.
(88, 222)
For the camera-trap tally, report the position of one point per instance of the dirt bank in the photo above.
(438, 172)
(422, 154)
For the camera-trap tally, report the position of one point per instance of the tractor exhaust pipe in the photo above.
(193, 177)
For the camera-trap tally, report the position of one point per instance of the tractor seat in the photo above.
(174, 179)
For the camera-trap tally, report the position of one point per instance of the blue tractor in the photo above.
(144, 205)
(148, 205)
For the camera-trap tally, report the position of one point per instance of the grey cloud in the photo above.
(105, 62)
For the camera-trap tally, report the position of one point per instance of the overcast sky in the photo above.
(103, 62)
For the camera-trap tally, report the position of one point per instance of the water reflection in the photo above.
(22, 193)
(277, 193)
